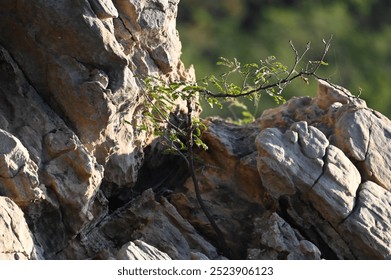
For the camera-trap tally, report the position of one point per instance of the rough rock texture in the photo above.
(67, 86)
(334, 192)
(18, 173)
(274, 238)
(82, 57)
(230, 186)
(140, 250)
(16, 242)
(143, 218)
(312, 196)
(78, 179)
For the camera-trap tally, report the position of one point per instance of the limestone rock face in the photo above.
(140, 250)
(319, 194)
(335, 191)
(16, 241)
(45, 166)
(143, 218)
(364, 136)
(68, 88)
(370, 223)
(18, 173)
(329, 181)
(79, 180)
(82, 59)
(274, 238)
(230, 186)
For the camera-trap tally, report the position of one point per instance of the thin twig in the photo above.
(285, 81)
(190, 161)
(164, 117)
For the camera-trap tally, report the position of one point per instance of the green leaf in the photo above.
(199, 143)
(305, 79)
(143, 127)
(247, 114)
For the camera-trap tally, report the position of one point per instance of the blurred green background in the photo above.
(250, 30)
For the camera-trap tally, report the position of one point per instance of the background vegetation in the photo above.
(250, 30)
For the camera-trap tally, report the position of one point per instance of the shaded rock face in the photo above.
(156, 223)
(308, 180)
(230, 186)
(67, 85)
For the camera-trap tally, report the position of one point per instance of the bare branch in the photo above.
(284, 81)
(190, 162)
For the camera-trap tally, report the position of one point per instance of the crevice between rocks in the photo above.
(310, 233)
(361, 165)
(163, 177)
(329, 251)
(134, 38)
(324, 167)
(23, 74)
(13, 176)
(369, 142)
(355, 205)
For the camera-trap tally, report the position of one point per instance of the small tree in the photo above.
(181, 132)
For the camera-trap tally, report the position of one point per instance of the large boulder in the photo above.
(325, 163)
(80, 179)
(70, 83)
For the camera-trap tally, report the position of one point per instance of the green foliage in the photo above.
(248, 81)
(249, 29)
(181, 129)
(161, 118)
(242, 81)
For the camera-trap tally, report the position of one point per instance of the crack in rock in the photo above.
(324, 167)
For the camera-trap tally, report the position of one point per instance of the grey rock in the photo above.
(327, 183)
(281, 158)
(16, 241)
(364, 135)
(274, 238)
(18, 173)
(76, 190)
(320, 112)
(312, 141)
(368, 228)
(78, 173)
(334, 194)
(329, 94)
(68, 83)
(54, 177)
(315, 174)
(139, 250)
(157, 224)
(90, 53)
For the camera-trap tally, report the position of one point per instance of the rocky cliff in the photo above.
(78, 180)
